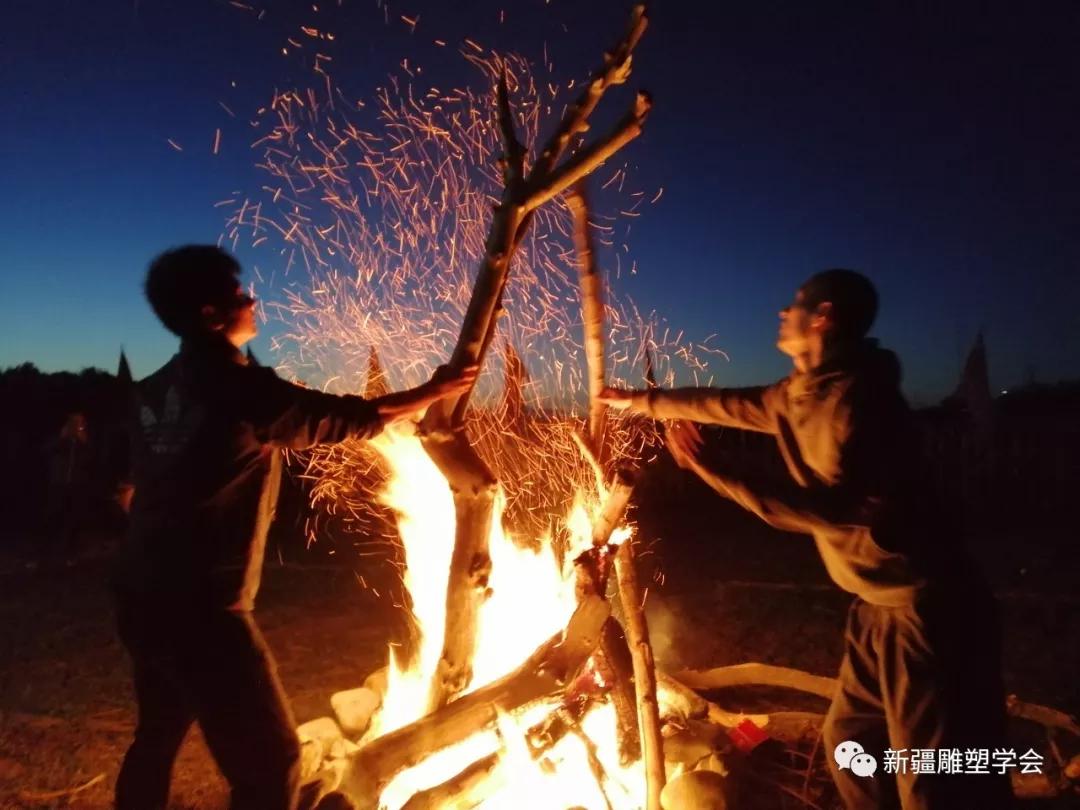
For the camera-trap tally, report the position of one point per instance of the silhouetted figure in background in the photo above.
(70, 465)
(207, 433)
(921, 666)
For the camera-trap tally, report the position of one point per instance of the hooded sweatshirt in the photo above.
(849, 443)
(207, 433)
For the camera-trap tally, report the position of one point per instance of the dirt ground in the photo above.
(727, 592)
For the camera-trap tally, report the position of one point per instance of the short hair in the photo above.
(852, 295)
(183, 280)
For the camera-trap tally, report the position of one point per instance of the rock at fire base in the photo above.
(1072, 769)
(311, 757)
(695, 741)
(354, 709)
(323, 730)
(696, 790)
(377, 682)
(335, 801)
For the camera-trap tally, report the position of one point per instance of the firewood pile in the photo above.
(713, 757)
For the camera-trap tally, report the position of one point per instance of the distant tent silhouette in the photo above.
(376, 378)
(123, 370)
(516, 377)
(972, 394)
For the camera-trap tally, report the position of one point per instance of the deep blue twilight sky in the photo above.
(936, 146)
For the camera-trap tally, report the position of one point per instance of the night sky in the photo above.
(935, 146)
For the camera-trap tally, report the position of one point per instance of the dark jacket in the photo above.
(849, 443)
(207, 434)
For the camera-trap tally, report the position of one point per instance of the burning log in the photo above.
(545, 673)
(472, 483)
(617, 666)
(614, 660)
(474, 488)
(644, 673)
(615, 506)
(596, 767)
(485, 776)
(465, 790)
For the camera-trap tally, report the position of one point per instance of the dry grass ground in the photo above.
(730, 593)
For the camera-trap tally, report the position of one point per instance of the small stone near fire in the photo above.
(311, 757)
(335, 801)
(354, 708)
(695, 741)
(377, 682)
(697, 790)
(323, 730)
(714, 762)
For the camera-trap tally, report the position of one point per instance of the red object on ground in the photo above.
(746, 736)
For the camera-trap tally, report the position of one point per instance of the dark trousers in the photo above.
(212, 667)
(65, 517)
(922, 677)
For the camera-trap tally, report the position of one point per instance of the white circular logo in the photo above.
(844, 752)
(863, 765)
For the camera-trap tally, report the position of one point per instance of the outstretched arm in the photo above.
(794, 509)
(444, 383)
(296, 417)
(746, 408)
(874, 472)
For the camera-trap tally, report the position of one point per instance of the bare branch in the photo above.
(513, 151)
(587, 160)
(611, 515)
(637, 632)
(616, 70)
(592, 315)
(759, 674)
(443, 428)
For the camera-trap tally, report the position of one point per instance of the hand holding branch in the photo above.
(446, 382)
(683, 438)
(617, 398)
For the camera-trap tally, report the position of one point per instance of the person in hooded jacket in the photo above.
(208, 429)
(921, 667)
